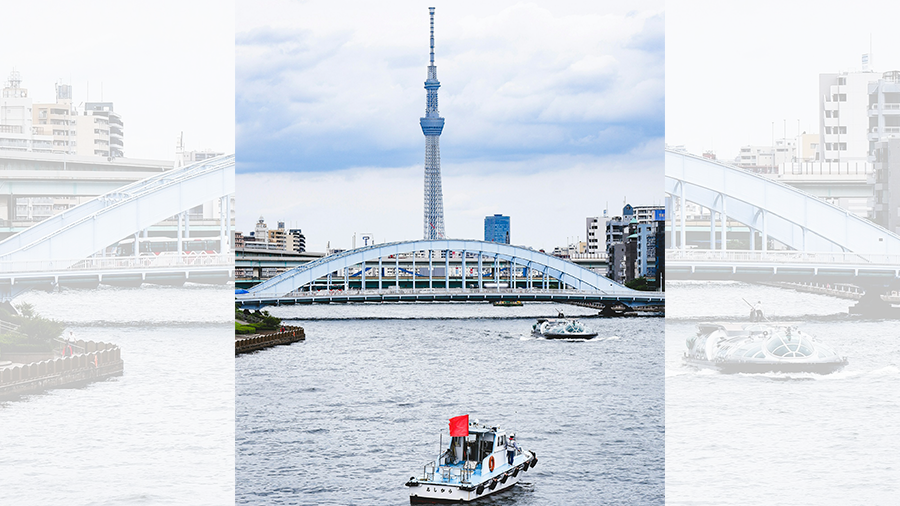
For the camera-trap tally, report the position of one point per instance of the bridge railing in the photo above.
(117, 263)
(419, 291)
(789, 256)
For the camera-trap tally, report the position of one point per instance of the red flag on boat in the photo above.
(459, 426)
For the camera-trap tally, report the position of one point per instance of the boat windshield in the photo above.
(789, 344)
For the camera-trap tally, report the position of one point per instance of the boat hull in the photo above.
(427, 492)
(581, 335)
(434, 494)
(764, 367)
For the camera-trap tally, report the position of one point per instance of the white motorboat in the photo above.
(759, 347)
(474, 465)
(561, 328)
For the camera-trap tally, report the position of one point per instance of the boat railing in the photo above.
(456, 474)
(428, 472)
(449, 474)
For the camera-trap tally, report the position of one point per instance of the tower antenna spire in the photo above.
(431, 13)
(432, 126)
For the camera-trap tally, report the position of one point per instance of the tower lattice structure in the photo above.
(432, 125)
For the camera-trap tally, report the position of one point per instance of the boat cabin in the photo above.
(477, 446)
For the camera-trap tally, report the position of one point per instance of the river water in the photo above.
(162, 433)
(346, 417)
(782, 439)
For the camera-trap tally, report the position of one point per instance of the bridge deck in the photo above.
(337, 296)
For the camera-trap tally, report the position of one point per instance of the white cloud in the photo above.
(514, 75)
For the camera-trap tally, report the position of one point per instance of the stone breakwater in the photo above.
(260, 341)
(98, 361)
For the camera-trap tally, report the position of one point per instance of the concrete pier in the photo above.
(247, 344)
(98, 361)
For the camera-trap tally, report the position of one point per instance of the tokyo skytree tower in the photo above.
(432, 125)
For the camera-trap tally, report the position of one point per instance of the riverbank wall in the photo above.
(261, 341)
(30, 373)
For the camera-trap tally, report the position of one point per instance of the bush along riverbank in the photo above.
(258, 330)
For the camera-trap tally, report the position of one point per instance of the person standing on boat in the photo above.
(759, 311)
(511, 448)
(70, 340)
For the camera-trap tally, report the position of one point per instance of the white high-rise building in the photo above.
(100, 131)
(843, 116)
(596, 234)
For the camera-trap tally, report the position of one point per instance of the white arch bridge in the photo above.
(825, 241)
(420, 271)
(69, 248)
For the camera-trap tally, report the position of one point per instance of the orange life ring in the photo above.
(491, 463)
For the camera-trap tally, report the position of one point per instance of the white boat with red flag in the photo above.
(479, 461)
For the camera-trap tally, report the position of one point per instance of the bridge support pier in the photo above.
(871, 305)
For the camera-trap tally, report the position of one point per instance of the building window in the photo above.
(827, 146)
(827, 130)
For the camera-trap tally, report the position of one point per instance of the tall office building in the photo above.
(496, 228)
(884, 149)
(432, 125)
(57, 120)
(297, 240)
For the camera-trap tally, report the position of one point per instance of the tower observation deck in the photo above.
(432, 125)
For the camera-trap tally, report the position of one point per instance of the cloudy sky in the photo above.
(552, 113)
(732, 68)
(167, 66)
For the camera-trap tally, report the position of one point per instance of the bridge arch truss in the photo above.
(774, 210)
(515, 266)
(79, 232)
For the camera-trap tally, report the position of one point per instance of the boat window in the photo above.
(487, 447)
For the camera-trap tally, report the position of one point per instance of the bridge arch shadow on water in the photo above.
(450, 270)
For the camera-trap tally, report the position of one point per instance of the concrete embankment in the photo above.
(840, 291)
(260, 341)
(98, 361)
(247, 344)
(610, 310)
